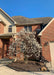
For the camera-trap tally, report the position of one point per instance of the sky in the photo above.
(28, 8)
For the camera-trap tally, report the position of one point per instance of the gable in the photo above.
(5, 19)
(46, 27)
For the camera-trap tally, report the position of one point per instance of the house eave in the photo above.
(8, 16)
(27, 24)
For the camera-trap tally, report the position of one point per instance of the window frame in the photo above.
(10, 28)
(28, 28)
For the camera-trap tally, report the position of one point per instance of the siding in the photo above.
(7, 21)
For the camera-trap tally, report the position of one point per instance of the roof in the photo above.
(45, 20)
(20, 20)
(25, 21)
(6, 34)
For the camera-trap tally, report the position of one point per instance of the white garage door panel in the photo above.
(52, 53)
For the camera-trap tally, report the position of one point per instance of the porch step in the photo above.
(6, 61)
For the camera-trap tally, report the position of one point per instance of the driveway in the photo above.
(4, 70)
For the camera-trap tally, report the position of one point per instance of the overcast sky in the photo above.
(28, 8)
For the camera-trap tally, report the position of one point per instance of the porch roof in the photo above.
(7, 35)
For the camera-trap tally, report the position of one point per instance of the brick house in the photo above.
(44, 28)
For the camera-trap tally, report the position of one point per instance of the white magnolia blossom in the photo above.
(27, 42)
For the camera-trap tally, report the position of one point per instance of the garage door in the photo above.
(52, 53)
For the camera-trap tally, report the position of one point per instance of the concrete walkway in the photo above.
(7, 71)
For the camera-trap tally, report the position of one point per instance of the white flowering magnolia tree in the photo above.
(26, 43)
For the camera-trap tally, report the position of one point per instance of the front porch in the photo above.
(5, 40)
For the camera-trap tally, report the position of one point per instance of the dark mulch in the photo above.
(30, 66)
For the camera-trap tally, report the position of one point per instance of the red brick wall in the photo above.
(19, 28)
(1, 28)
(35, 27)
(1, 31)
(1, 43)
(47, 36)
(1, 48)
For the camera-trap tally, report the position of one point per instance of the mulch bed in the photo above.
(29, 67)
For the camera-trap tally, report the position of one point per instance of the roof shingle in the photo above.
(25, 21)
(20, 20)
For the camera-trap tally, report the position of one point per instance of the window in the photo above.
(38, 30)
(10, 28)
(28, 28)
(25, 27)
